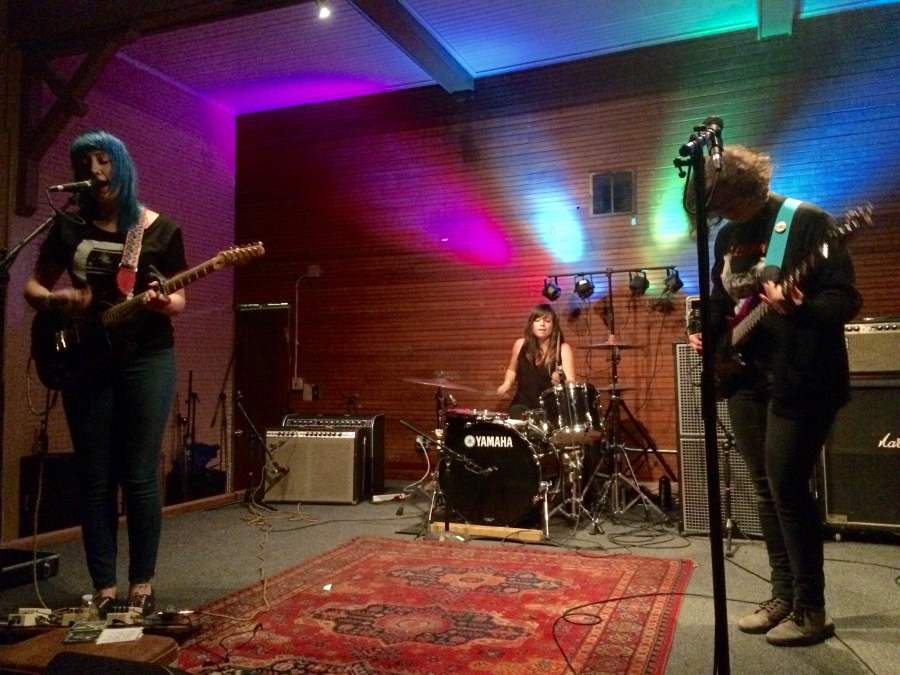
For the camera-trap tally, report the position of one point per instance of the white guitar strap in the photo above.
(127, 273)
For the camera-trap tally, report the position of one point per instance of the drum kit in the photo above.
(516, 472)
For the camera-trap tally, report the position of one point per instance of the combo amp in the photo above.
(323, 466)
(873, 346)
(371, 431)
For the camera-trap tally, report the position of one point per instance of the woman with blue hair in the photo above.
(116, 412)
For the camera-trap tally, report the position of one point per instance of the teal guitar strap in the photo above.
(780, 233)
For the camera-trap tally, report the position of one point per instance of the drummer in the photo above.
(536, 357)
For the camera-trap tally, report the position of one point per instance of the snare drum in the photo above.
(572, 414)
(492, 471)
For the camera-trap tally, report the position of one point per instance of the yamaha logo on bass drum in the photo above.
(488, 441)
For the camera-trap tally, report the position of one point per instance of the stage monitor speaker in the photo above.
(861, 460)
(323, 466)
(692, 457)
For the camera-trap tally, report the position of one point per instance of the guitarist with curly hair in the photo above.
(117, 410)
(789, 377)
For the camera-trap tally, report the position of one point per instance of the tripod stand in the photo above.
(617, 481)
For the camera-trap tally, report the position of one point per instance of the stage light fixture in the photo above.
(673, 282)
(551, 289)
(324, 11)
(638, 282)
(584, 287)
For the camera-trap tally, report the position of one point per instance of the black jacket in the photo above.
(800, 357)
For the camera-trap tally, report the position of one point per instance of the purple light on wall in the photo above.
(470, 236)
(257, 96)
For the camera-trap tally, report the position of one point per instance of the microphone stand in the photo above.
(272, 468)
(704, 136)
(7, 259)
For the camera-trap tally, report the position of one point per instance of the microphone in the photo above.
(715, 125)
(77, 186)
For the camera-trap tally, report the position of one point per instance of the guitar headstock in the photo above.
(238, 255)
(855, 219)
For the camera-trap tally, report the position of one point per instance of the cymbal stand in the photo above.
(618, 482)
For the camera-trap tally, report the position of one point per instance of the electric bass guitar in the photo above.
(751, 311)
(64, 346)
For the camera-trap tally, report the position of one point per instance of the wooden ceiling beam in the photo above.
(37, 132)
(775, 17)
(61, 27)
(418, 42)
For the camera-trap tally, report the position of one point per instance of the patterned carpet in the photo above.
(377, 605)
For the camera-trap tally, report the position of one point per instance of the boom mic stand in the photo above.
(272, 471)
(708, 135)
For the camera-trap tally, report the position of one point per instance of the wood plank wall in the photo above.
(425, 211)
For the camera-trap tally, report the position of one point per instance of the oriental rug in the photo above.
(377, 605)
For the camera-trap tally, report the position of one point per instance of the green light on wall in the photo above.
(668, 223)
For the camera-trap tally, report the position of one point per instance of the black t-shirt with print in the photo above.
(92, 255)
(802, 356)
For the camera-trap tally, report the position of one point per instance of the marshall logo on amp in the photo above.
(888, 442)
(488, 441)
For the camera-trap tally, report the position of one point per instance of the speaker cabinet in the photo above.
(860, 476)
(323, 466)
(692, 457)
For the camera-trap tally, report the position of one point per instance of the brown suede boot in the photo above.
(802, 627)
(768, 615)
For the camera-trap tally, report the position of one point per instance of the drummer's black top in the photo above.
(531, 380)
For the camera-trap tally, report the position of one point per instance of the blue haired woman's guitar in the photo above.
(65, 346)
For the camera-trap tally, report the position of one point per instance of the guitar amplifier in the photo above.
(859, 477)
(372, 429)
(323, 466)
(873, 346)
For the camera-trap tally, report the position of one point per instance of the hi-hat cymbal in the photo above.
(441, 382)
(615, 345)
(613, 387)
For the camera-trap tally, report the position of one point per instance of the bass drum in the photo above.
(492, 473)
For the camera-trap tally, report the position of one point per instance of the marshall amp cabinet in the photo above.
(859, 478)
(371, 429)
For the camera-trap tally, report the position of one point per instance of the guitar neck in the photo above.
(126, 309)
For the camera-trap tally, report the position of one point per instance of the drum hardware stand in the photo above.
(433, 478)
(573, 458)
(616, 482)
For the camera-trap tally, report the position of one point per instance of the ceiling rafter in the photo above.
(418, 42)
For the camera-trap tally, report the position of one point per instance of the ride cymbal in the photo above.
(615, 345)
(441, 382)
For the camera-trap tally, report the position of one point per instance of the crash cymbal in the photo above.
(610, 387)
(441, 382)
(615, 345)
